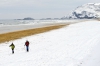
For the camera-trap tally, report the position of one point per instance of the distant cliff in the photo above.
(87, 11)
(28, 18)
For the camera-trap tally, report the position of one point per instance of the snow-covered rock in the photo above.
(86, 11)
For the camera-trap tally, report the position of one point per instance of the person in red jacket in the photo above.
(27, 45)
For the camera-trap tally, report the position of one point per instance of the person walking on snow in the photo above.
(27, 45)
(12, 47)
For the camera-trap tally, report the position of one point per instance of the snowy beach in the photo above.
(74, 45)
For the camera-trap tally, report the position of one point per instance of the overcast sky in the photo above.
(16, 9)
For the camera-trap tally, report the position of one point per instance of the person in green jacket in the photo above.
(12, 47)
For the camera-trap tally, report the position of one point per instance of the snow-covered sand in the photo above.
(74, 45)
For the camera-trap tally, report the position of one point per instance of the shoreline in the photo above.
(5, 37)
(13, 28)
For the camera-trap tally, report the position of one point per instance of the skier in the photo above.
(12, 47)
(27, 45)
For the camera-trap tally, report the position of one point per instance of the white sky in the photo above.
(12, 9)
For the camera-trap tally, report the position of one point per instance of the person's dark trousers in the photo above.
(27, 48)
(12, 51)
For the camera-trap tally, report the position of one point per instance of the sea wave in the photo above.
(27, 22)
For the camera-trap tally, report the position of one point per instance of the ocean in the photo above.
(22, 22)
(16, 25)
(15, 22)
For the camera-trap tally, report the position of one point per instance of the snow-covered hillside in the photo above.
(74, 45)
(86, 11)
